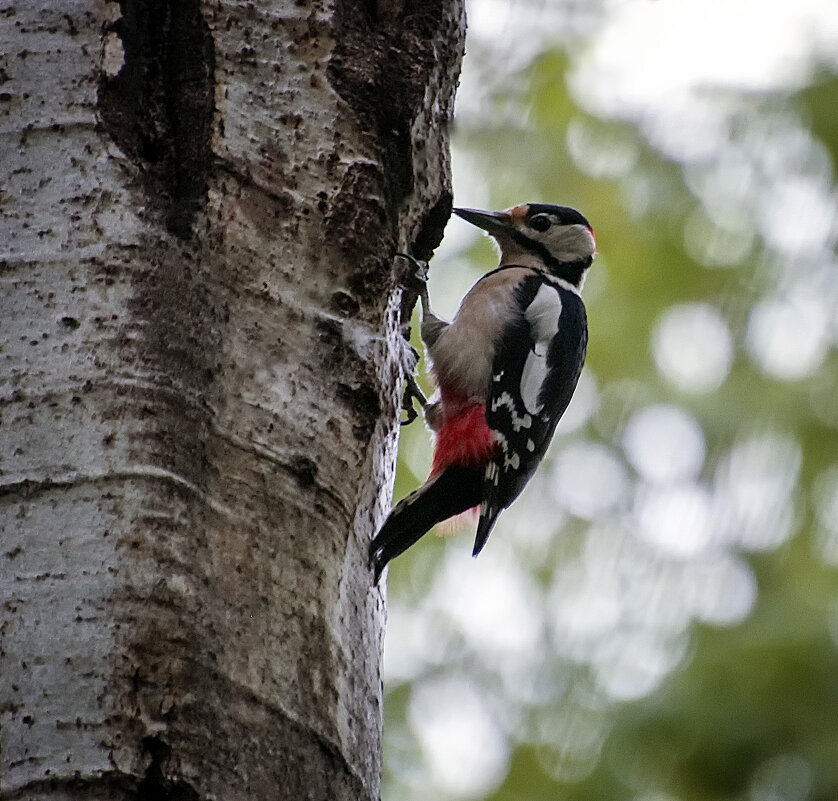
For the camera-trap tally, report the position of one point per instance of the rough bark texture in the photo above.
(200, 364)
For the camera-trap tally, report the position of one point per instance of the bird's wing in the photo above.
(535, 369)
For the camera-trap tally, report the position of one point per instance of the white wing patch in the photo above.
(535, 371)
(543, 316)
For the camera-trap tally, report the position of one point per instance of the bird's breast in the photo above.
(463, 354)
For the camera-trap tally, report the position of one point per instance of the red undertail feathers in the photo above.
(464, 440)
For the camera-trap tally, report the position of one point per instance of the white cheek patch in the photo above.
(543, 316)
(571, 242)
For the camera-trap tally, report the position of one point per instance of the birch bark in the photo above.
(200, 365)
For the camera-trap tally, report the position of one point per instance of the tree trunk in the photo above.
(200, 369)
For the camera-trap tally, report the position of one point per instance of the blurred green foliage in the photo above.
(746, 706)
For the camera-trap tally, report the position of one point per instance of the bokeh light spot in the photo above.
(754, 484)
(787, 777)
(693, 347)
(721, 591)
(789, 337)
(714, 244)
(466, 750)
(825, 495)
(601, 151)
(676, 520)
(589, 479)
(584, 608)
(570, 739)
(664, 444)
(632, 664)
(493, 605)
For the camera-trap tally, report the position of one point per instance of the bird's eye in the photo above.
(541, 222)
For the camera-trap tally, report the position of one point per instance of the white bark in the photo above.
(200, 361)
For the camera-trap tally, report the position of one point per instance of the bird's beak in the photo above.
(490, 221)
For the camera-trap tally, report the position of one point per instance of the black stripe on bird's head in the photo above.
(557, 239)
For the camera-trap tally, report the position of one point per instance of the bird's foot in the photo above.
(411, 393)
(414, 275)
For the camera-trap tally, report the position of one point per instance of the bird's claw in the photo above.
(415, 274)
(411, 393)
(414, 279)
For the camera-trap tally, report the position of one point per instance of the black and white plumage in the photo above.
(535, 371)
(506, 368)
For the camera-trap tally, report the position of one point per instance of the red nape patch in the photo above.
(464, 440)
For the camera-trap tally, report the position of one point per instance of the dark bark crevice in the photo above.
(159, 107)
(154, 785)
(388, 57)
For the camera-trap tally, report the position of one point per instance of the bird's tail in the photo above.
(488, 518)
(451, 492)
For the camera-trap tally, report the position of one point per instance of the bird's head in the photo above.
(556, 239)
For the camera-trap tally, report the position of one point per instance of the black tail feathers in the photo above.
(488, 518)
(450, 493)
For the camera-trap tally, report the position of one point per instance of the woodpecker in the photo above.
(505, 369)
